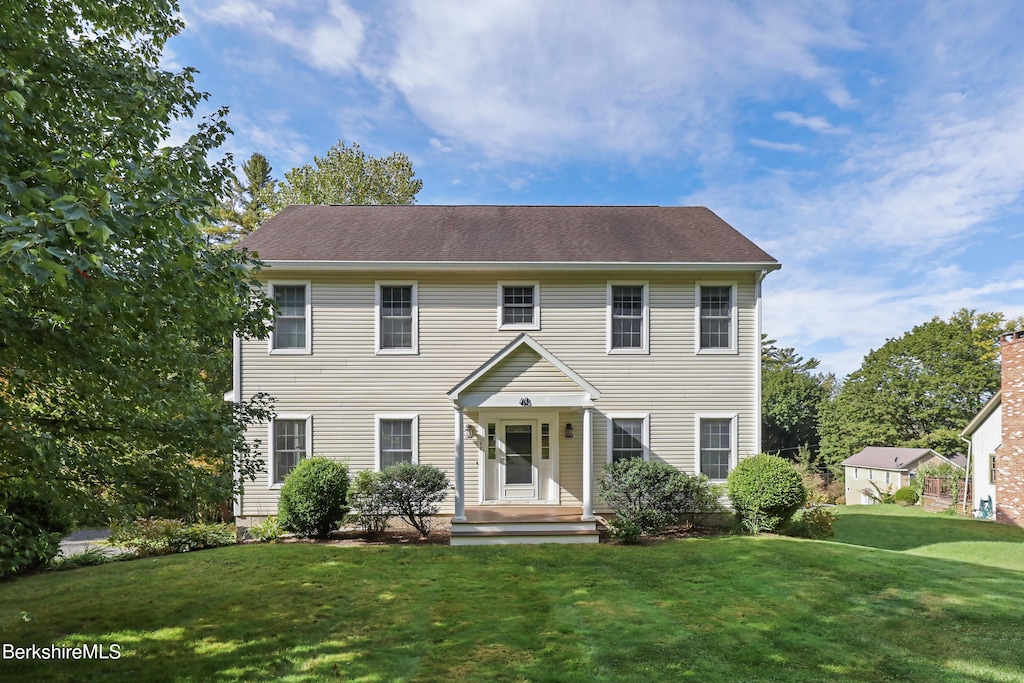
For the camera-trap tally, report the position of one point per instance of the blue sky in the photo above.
(875, 148)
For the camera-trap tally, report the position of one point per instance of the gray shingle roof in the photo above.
(503, 234)
(887, 458)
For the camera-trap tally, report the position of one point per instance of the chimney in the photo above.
(1010, 456)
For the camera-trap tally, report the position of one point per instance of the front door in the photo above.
(518, 471)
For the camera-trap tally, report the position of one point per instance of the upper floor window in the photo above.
(518, 306)
(397, 318)
(716, 318)
(716, 445)
(627, 318)
(396, 439)
(627, 436)
(291, 333)
(289, 443)
(992, 469)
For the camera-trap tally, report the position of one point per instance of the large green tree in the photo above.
(114, 307)
(918, 390)
(347, 175)
(792, 396)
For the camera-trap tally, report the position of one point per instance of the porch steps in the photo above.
(495, 526)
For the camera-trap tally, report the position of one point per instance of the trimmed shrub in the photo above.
(267, 531)
(765, 491)
(648, 497)
(368, 502)
(905, 496)
(813, 522)
(153, 536)
(413, 493)
(313, 497)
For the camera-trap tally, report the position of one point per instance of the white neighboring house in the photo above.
(518, 348)
(888, 468)
(985, 434)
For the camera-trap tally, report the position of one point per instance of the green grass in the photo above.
(710, 609)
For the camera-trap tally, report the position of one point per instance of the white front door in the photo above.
(518, 460)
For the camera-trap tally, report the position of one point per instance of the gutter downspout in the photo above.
(967, 474)
(757, 360)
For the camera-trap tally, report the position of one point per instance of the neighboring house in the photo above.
(889, 468)
(996, 435)
(518, 348)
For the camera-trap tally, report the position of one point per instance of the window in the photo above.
(628, 436)
(627, 318)
(291, 333)
(290, 437)
(888, 477)
(396, 439)
(871, 475)
(397, 318)
(716, 318)
(856, 473)
(518, 306)
(992, 469)
(716, 445)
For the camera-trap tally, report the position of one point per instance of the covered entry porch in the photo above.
(514, 416)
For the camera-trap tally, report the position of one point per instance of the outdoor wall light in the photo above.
(568, 430)
(470, 431)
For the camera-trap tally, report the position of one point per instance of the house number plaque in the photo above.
(525, 402)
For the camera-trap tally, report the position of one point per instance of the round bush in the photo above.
(905, 496)
(312, 499)
(765, 490)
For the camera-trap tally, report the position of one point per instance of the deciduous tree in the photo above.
(347, 175)
(114, 307)
(918, 390)
(792, 396)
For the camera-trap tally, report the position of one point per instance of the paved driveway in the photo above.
(83, 540)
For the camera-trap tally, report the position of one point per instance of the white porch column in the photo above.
(588, 465)
(460, 467)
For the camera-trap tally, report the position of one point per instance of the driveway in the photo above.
(85, 539)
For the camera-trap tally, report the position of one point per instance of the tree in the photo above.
(115, 308)
(792, 396)
(244, 207)
(917, 391)
(346, 175)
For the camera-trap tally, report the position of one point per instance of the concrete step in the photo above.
(513, 527)
(510, 537)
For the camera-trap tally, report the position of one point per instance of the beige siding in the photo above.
(343, 384)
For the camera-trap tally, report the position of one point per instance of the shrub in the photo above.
(267, 531)
(647, 497)
(89, 557)
(313, 497)
(24, 545)
(813, 522)
(765, 490)
(152, 536)
(905, 496)
(369, 505)
(413, 493)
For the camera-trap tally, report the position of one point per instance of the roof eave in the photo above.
(516, 265)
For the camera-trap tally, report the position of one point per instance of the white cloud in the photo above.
(815, 123)
(522, 78)
(329, 39)
(777, 146)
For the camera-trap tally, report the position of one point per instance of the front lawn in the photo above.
(710, 609)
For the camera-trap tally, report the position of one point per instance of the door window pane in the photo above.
(519, 454)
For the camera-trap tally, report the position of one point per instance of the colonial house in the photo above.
(996, 437)
(518, 348)
(887, 468)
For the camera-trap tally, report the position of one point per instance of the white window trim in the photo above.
(733, 433)
(415, 418)
(308, 349)
(272, 443)
(645, 433)
(415, 349)
(645, 327)
(733, 329)
(535, 325)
